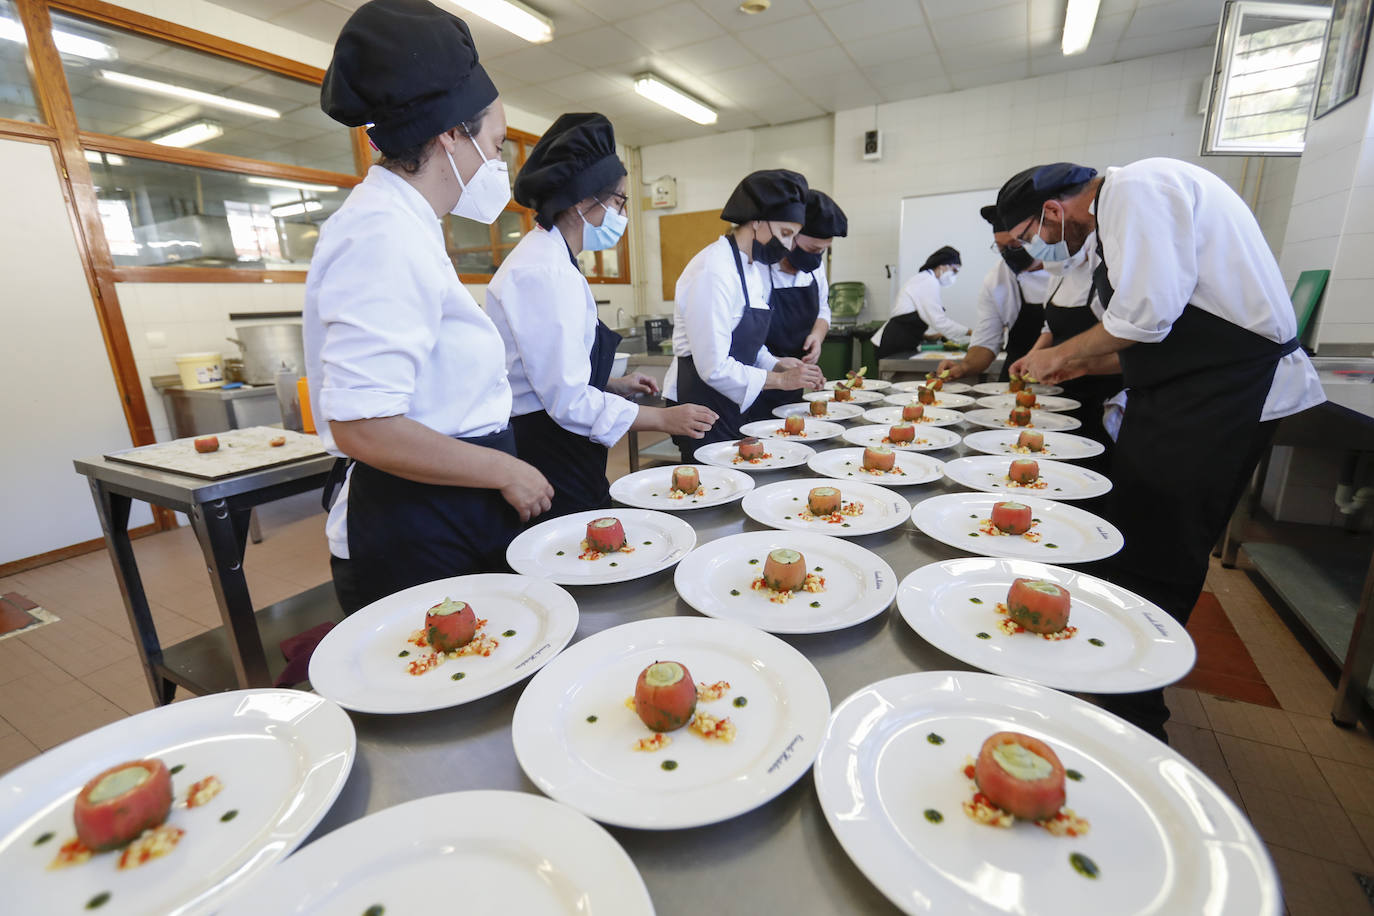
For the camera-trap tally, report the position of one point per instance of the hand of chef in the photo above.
(691, 420)
(955, 368)
(811, 347)
(632, 384)
(528, 493)
(1046, 365)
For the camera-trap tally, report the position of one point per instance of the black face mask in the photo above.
(1018, 259)
(770, 253)
(804, 261)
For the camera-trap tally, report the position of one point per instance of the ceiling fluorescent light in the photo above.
(513, 16)
(292, 185)
(281, 211)
(190, 95)
(1079, 20)
(190, 135)
(67, 42)
(673, 99)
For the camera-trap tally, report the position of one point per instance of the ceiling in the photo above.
(799, 59)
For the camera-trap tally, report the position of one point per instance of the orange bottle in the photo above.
(303, 392)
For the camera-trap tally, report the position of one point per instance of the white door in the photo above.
(937, 220)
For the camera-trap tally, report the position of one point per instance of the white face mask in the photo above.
(948, 277)
(487, 194)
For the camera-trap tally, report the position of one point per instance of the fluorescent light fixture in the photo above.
(190, 95)
(281, 211)
(1079, 20)
(95, 158)
(292, 185)
(673, 99)
(67, 42)
(513, 16)
(192, 134)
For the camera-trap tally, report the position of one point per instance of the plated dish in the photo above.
(927, 439)
(794, 428)
(1032, 419)
(878, 464)
(672, 489)
(1022, 527)
(1014, 443)
(601, 547)
(824, 506)
(1027, 476)
(753, 454)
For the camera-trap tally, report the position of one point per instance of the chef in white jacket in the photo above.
(567, 409)
(919, 312)
(1199, 320)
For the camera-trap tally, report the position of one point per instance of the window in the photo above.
(1264, 78)
(17, 102)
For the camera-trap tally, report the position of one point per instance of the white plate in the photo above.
(1062, 481)
(1078, 536)
(282, 756)
(1165, 838)
(1040, 419)
(648, 489)
(785, 454)
(951, 387)
(777, 504)
(859, 585)
(943, 399)
(870, 384)
(833, 411)
(591, 766)
(550, 549)
(815, 430)
(929, 438)
(862, 396)
(499, 852)
(359, 665)
(848, 464)
(1060, 446)
(933, 416)
(1141, 647)
(1002, 388)
(1044, 402)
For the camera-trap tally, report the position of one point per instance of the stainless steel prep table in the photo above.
(230, 656)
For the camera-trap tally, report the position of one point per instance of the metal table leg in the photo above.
(1359, 659)
(113, 511)
(223, 535)
(254, 528)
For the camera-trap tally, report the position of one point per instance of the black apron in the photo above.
(749, 335)
(574, 465)
(402, 533)
(1091, 391)
(794, 312)
(1024, 332)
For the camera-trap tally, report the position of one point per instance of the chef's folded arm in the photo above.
(710, 324)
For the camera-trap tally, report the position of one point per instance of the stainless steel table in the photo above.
(780, 858)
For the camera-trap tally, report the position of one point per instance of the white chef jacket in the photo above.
(543, 308)
(390, 331)
(921, 295)
(1071, 281)
(1175, 234)
(999, 305)
(783, 280)
(708, 307)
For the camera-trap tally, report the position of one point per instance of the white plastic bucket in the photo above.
(201, 370)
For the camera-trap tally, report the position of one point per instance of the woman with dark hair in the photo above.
(407, 375)
(567, 408)
(918, 311)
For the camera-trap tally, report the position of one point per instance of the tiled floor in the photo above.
(1307, 785)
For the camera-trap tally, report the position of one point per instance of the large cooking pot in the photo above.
(267, 349)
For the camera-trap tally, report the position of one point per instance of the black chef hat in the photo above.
(1025, 194)
(989, 213)
(776, 194)
(942, 256)
(409, 69)
(573, 160)
(824, 218)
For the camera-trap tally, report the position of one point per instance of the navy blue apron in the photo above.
(749, 335)
(1091, 391)
(574, 465)
(795, 309)
(402, 533)
(902, 335)
(1025, 331)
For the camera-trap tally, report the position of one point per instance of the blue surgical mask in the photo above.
(605, 236)
(1041, 250)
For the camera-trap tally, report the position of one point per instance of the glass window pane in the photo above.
(158, 213)
(129, 85)
(469, 246)
(509, 228)
(16, 92)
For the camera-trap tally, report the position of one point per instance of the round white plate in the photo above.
(500, 852)
(1059, 446)
(1045, 402)
(815, 430)
(281, 755)
(1040, 419)
(951, 387)
(550, 549)
(1067, 533)
(933, 416)
(848, 464)
(862, 396)
(1139, 646)
(1165, 839)
(1003, 388)
(1062, 481)
(929, 438)
(777, 504)
(359, 664)
(833, 411)
(649, 489)
(717, 578)
(944, 399)
(785, 454)
(591, 765)
(870, 384)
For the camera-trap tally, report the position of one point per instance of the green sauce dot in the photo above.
(559, 554)
(591, 718)
(375, 910)
(508, 633)
(845, 525)
(615, 564)
(42, 839)
(935, 739)
(228, 816)
(1074, 775)
(818, 569)
(985, 636)
(976, 600)
(669, 764)
(973, 516)
(178, 768)
(457, 677)
(741, 701)
(1052, 546)
(973, 534)
(1083, 865)
(934, 816)
(98, 900)
(1097, 642)
(753, 562)
(647, 543)
(403, 653)
(815, 604)
(734, 592)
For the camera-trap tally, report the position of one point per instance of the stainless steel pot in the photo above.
(267, 349)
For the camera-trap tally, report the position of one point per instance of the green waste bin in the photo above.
(836, 355)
